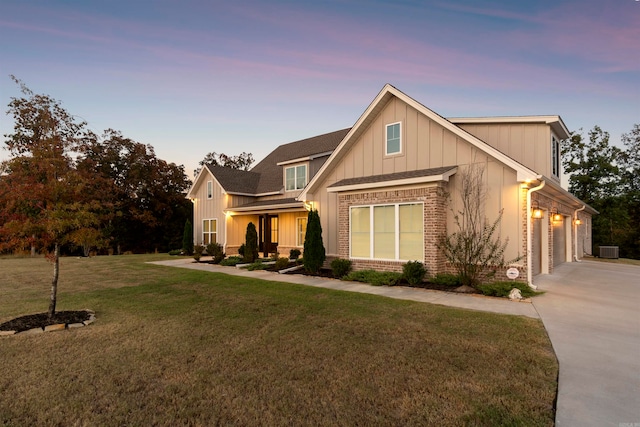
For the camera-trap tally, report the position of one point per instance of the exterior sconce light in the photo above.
(577, 222)
(557, 218)
(536, 212)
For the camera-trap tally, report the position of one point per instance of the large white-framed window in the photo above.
(393, 139)
(295, 177)
(387, 232)
(209, 231)
(555, 157)
(209, 189)
(301, 230)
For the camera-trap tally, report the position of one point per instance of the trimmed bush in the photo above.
(414, 272)
(282, 263)
(241, 250)
(502, 289)
(198, 250)
(294, 253)
(175, 252)
(258, 265)
(231, 261)
(314, 252)
(215, 251)
(251, 244)
(340, 267)
(446, 279)
(187, 238)
(375, 278)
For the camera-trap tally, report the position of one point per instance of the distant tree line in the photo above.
(607, 177)
(66, 189)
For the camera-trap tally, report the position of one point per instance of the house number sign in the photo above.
(513, 273)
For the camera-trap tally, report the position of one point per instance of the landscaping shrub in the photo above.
(375, 278)
(258, 265)
(294, 253)
(175, 252)
(282, 263)
(340, 267)
(251, 244)
(215, 251)
(502, 289)
(241, 250)
(231, 261)
(414, 272)
(187, 238)
(198, 250)
(314, 252)
(446, 279)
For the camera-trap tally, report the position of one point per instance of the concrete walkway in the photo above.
(591, 311)
(472, 302)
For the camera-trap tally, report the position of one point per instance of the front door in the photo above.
(268, 234)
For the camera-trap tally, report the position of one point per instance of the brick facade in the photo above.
(434, 200)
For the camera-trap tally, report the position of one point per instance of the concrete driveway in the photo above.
(592, 313)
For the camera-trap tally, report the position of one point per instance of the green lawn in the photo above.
(182, 347)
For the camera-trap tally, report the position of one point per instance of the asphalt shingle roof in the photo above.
(266, 176)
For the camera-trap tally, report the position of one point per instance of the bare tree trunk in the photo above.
(54, 281)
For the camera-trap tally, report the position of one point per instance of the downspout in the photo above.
(529, 242)
(575, 233)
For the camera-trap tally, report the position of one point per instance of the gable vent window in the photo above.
(295, 177)
(555, 157)
(393, 139)
(209, 189)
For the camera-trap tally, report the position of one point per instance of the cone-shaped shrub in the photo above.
(314, 253)
(187, 238)
(251, 244)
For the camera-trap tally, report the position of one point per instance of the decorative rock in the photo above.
(33, 331)
(515, 294)
(58, 327)
(5, 333)
(90, 321)
(75, 325)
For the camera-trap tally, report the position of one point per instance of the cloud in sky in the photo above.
(258, 74)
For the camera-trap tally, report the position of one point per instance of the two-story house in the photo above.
(386, 189)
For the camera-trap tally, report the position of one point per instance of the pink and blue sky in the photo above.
(194, 76)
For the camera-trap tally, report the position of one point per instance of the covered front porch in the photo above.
(281, 225)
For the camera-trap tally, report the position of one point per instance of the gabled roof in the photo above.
(387, 93)
(266, 177)
(304, 149)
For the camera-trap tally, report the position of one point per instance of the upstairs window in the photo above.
(295, 177)
(393, 139)
(555, 157)
(209, 189)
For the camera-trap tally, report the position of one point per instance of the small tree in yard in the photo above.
(314, 252)
(45, 201)
(187, 238)
(251, 244)
(473, 250)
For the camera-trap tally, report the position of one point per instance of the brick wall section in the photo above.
(435, 223)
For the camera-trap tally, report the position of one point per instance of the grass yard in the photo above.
(182, 347)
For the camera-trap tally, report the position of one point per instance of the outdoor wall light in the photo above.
(557, 217)
(536, 213)
(577, 222)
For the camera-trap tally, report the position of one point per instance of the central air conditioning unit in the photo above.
(610, 252)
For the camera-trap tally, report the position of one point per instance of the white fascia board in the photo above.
(197, 180)
(268, 208)
(304, 159)
(394, 183)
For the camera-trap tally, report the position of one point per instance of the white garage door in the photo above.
(559, 243)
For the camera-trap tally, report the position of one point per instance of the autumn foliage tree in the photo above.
(44, 200)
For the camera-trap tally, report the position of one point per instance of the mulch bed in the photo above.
(41, 320)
